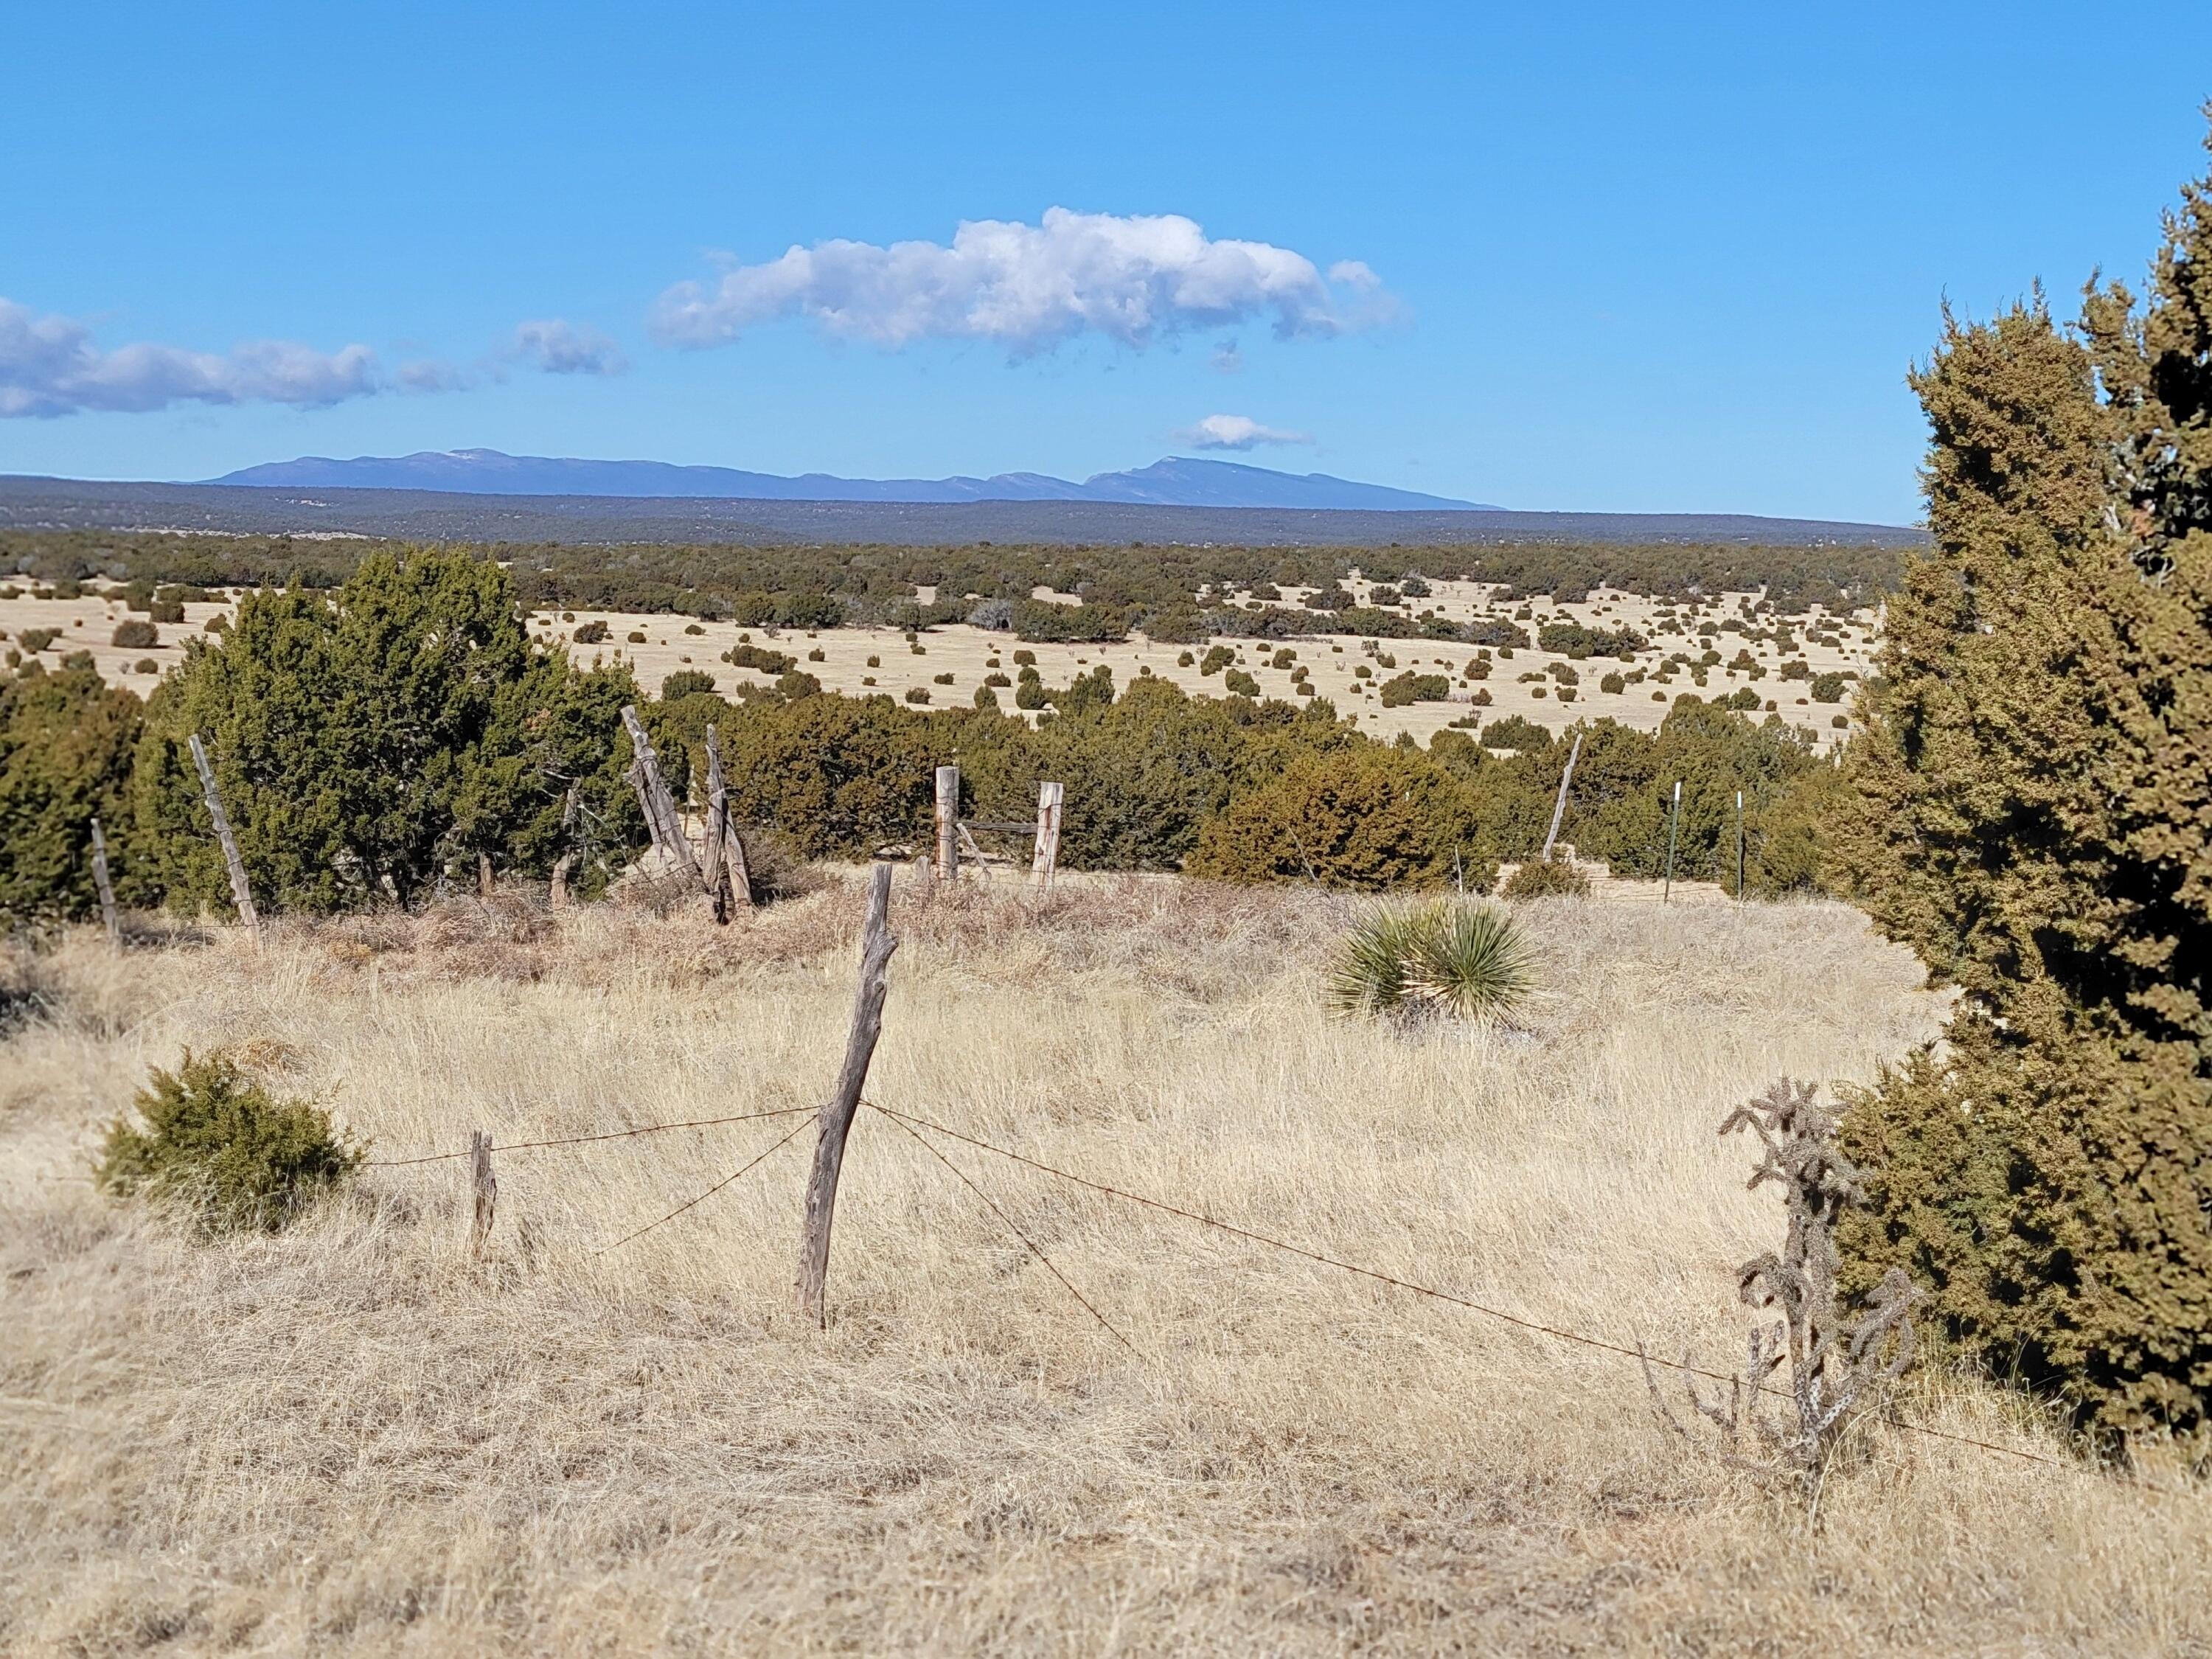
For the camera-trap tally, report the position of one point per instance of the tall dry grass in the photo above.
(348, 1438)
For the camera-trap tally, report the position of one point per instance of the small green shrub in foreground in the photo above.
(218, 1146)
(1465, 961)
(1553, 877)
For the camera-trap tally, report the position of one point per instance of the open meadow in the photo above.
(350, 1436)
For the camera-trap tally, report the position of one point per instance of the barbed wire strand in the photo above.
(1033, 1247)
(578, 1141)
(1536, 1326)
(761, 1158)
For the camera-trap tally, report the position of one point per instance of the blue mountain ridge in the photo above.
(1177, 481)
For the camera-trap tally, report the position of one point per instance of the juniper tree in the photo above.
(65, 746)
(2026, 825)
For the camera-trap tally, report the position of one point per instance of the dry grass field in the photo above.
(348, 1438)
(1340, 665)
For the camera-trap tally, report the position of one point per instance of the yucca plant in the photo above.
(1465, 961)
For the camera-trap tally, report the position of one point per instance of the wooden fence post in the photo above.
(240, 892)
(1674, 823)
(485, 1185)
(1559, 806)
(1047, 835)
(106, 887)
(727, 875)
(661, 817)
(948, 823)
(877, 943)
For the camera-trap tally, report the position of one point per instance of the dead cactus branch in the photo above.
(1836, 1364)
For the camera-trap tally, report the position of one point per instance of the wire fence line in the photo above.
(578, 1140)
(914, 1126)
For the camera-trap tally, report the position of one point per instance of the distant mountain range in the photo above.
(1174, 481)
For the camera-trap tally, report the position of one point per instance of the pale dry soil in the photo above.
(1333, 662)
(348, 1438)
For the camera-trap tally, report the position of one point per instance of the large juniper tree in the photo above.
(371, 742)
(2034, 824)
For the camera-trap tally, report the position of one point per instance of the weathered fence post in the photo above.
(1047, 835)
(1559, 806)
(240, 892)
(653, 795)
(948, 823)
(485, 1185)
(486, 885)
(1739, 847)
(1673, 824)
(557, 894)
(106, 887)
(727, 875)
(877, 944)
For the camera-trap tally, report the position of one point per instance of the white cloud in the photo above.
(49, 366)
(1131, 278)
(1237, 432)
(563, 348)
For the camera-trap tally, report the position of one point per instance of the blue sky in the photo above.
(1623, 257)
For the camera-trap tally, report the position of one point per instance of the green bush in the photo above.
(65, 755)
(220, 1148)
(684, 682)
(761, 660)
(135, 635)
(1465, 961)
(35, 639)
(1552, 877)
(1827, 688)
(1409, 687)
(1516, 731)
(590, 633)
(1359, 817)
(1239, 684)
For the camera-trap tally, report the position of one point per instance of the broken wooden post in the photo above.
(877, 944)
(106, 887)
(948, 823)
(1673, 824)
(661, 817)
(1559, 806)
(240, 892)
(484, 881)
(557, 894)
(727, 874)
(485, 1187)
(1047, 835)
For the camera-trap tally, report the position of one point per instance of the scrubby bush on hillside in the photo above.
(1552, 877)
(218, 1147)
(590, 633)
(1363, 816)
(135, 635)
(1409, 687)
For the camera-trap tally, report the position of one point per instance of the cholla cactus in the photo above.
(1835, 1365)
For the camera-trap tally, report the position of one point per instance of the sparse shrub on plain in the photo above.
(135, 635)
(590, 633)
(217, 1147)
(685, 682)
(1446, 957)
(1552, 877)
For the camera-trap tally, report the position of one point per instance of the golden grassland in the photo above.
(347, 1438)
(1333, 661)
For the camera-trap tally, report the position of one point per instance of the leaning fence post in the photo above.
(485, 1185)
(877, 943)
(948, 823)
(1559, 807)
(106, 887)
(1739, 848)
(240, 890)
(653, 794)
(728, 876)
(1047, 835)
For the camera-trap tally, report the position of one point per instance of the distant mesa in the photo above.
(1175, 482)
